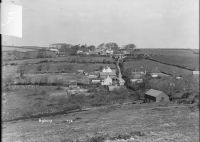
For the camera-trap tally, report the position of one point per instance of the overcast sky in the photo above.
(146, 23)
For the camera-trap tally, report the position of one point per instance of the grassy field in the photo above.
(24, 101)
(21, 48)
(184, 52)
(153, 66)
(190, 62)
(81, 59)
(64, 67)
(144, 123)
(181, 57)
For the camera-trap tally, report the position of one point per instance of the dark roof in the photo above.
(154, 93)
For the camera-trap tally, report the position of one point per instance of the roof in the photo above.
(121, 80)
(195, 72)
(154, 93)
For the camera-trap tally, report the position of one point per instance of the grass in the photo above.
(32, 101)
(190, 62)
(64, 67)
(143, 123)
(152, 66)
(25, 101)
(181, 57)
(77, 59)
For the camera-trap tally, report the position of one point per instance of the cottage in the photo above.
(80, 71)
(92, 76)
(79, 52)
(121, 81)
(195, 72)
(93, 52)
(96, 81)
(107, 81)
(136, 80)
(103, 75)
(54, 50)
(156, 96)
(109, 51)
(155, 75)
(107, 69)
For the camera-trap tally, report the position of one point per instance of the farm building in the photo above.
(195, 72)
(59, 45)
(140, 80)
(107, 69)
(155, 75)
(92, 76)
(109, 51)
(104, 74)
(107, 81)
(156, 96)
(121, 81)
(54, 50)
(95, 81)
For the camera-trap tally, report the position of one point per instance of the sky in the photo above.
(146, 23)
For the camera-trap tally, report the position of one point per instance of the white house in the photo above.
(154, 75)
(95, 81)
(107, 81)
(107, 70)
(121, 81)
(195, 72)
(79, 52)
(92, 76)
(109, 51)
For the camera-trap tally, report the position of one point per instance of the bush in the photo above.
(97, 138)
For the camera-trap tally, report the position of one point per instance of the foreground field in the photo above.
(145, 123)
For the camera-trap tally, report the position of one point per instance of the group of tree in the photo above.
(69, 49)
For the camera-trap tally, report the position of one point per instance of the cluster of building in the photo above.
(104, 52)
(106, 77)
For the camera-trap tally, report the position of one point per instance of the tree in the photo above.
(128, 73)
(130, 46)
(112, 45)
(74, 49)
(91, 47)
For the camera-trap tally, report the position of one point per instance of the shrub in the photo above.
(97, 138)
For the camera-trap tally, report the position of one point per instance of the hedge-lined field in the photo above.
(181, 57)
(190, 62)
(63, 67)
(72, 59)
(152, 66)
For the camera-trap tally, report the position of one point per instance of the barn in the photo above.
(153, 95)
